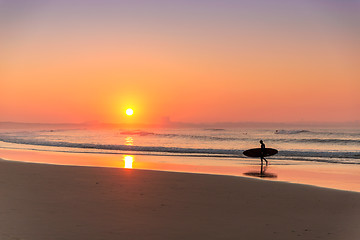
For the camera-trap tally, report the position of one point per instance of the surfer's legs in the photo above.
(265, 161)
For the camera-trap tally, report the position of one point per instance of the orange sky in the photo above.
(192, 62)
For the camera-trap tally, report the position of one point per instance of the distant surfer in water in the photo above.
(263, 152)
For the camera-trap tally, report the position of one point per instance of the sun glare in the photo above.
(129, 112)
(128, 159)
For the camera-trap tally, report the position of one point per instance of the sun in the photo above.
(129, 112)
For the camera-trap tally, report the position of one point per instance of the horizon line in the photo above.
(171, 123)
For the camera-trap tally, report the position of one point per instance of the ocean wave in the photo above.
(174, 135)
(119, 147)
(319, 154)
(215, 129)
(136, 132)
(318, 140)
(317, 132)
(201, 137)
(291, 131)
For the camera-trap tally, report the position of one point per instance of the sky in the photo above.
(187, 61)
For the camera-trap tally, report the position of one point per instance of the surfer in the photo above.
(263, 152)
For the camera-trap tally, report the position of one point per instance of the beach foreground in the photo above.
(70, 202)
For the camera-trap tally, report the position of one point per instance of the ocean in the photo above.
(225, 145)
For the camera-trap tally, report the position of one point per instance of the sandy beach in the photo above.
(40, 201)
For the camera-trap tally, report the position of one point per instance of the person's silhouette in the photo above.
(263, 152)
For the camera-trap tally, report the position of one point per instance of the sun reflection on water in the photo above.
(128, 161)
(129, 141)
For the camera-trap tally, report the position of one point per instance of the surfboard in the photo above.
(256, 152)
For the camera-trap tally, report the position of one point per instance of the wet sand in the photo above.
(39, 201)
(337, 176)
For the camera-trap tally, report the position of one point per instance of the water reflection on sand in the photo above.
(128, 161)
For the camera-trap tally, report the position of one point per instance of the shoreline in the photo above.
(341, 177)
(44, 201)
